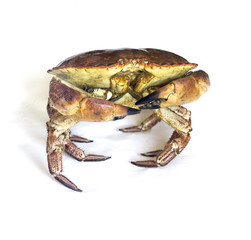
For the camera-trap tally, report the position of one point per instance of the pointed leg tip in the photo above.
(131, 129)
(78, 190)
(66, 182)
(75, 138)
(145, 155)
(152, 153)
(147, 163)
(134, 163)
(106, 158)
(95, 158)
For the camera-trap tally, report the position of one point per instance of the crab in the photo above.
(107, 85)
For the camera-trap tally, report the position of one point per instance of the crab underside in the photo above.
(108, 85)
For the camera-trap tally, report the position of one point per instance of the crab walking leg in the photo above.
(182, 111)
(66, 108)
(56, 143)
(53, 112)
(54, 156)
(76, 138)
(176, 143)
(147, 124)
(177, 92)
(173, 147)
(79, 154)
(176, 121)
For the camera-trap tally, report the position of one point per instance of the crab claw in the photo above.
(151, 101)
(178, 92)
(152, 105)
(98, 110)
(121, 112)
(149, 98)
(129, 111)
(81, 107)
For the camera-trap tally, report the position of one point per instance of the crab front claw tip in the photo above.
(150, 101)
(121, 112)
(132, 111)
(149, 98)
(152, 105)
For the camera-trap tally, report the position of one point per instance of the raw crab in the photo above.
(107, 85)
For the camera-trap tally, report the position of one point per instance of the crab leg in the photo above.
(180, 120)
(174, 146)
(67, 107)
(177, 92)
(182, 112)
(54, 156)
(79, 154)
(147, 124)
(76, 138)
(175, 120)
(55, 145)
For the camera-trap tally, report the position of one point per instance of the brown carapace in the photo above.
(107, 85)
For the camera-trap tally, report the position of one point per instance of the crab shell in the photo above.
(96, 69)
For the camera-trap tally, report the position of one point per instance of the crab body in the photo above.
(108, 85)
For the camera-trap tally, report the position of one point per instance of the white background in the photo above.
(203, 194)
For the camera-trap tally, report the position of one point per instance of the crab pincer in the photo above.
(186, 89)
